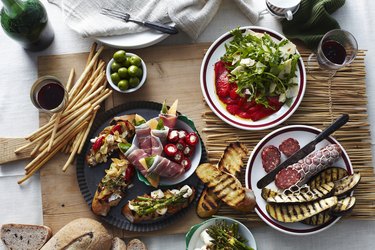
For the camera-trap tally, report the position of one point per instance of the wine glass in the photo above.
(48, 94)
(337, 49)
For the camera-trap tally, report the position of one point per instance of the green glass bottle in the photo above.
(26, 21)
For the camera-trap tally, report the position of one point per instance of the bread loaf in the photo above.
(26, 237)
(118, 244)
(136, 244)
(80, 234)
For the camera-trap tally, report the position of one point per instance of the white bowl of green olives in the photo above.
(126, 72)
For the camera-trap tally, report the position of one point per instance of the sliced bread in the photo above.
(118, 244)
(136, 244)
(23, 236)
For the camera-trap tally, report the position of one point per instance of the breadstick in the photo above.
(48, 155)
(74, 151)
(55, 127)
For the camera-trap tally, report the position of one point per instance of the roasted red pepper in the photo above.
(170, 150)
(173, 136)
(178, 157)
(116, 128)
(129, 172)
(98, 143)
(181, 144)
(192, 139)
(182, 134)
(186, 163)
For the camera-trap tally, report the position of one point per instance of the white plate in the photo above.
(207, 79)
(255, 171)
(134, 40)
(193, 240)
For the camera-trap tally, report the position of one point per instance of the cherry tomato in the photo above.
(186, 163)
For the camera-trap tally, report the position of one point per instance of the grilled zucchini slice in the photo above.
(346, 184)
(298, 212)
(343, 206)
(327, 175)
(268, 193)
(318, 193)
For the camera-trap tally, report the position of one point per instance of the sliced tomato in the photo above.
(233, 109)
(247, 105)
(228, 100)
(244, 114)
(221, 79)
(259, 111)
(232, 93)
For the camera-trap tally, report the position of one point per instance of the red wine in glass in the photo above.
(334, 51)
(48, 94)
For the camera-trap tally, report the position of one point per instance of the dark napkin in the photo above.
(312, 21)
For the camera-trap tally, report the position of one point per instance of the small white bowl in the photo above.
(194, 241)
(130, 90)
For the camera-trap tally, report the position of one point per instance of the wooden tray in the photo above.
(173, 72)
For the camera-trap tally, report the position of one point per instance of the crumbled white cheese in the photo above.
(133, 208)
(287, 68)
(114, 197)
(247, 62)
(188, 193)
(175, 191)
(110, 139)
(288, 49)
(161, 211)
(93, 140)
(237, 69)
(157, 194)
(206, 238)
(236, 58)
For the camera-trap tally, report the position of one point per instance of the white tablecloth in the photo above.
(22, 204)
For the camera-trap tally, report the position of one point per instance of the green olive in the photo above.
(123, 73)
(139, 73)
(135, 60)
(123, 84)
(119, 56)
(126, 63)
(115, 66)
(115, 78)
(133, 70)
(133, 82)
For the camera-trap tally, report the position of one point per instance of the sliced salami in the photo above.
(287, 177)
(289, 146)
(300, 172)
(270, 157)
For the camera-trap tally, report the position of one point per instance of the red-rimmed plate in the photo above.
(255, 171)
(207, 79)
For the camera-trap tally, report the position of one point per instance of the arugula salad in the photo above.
(259, 69)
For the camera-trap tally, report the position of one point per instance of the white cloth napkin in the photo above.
(190, 16)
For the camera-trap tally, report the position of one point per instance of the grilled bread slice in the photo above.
(232, 159)
(231, 162)
(227, 187)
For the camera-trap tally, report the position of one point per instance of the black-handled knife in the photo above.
(307, 149)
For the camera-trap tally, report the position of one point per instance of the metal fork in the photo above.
(126, 17)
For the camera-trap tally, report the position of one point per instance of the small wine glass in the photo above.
(48, 94)
(336, 49)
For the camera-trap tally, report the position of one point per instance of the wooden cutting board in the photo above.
(173, 72)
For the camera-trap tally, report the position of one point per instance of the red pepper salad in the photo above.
(257, 74)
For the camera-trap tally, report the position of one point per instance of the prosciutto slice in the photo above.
(166, 168)
(169, 120)
(148, 142)
(161, 134)
(134, 154)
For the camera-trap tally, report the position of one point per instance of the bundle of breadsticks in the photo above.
(67, 130)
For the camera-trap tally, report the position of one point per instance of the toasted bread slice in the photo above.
(232, 158)
(231, 162)
(208, 204)
(227, 187)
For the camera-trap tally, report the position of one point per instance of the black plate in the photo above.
(89, 177)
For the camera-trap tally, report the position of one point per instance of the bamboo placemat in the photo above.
(324, 101)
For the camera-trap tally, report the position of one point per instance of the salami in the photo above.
(300, 172)
(289, 146)
(270, 158)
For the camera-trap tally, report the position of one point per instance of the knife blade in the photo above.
(304, 151)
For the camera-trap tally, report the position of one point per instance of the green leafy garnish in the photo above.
(137, 123)
(164, 108)
(261, 67)
(160, 125)
(124, 147)
(150, 161)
